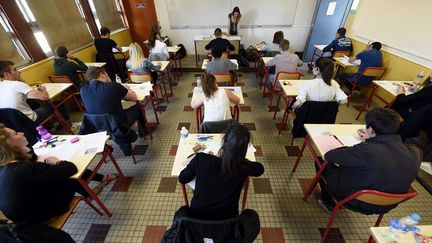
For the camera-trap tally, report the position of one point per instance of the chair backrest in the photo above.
(243, 228)
(341, 53)
(381, 198)
(62, 79)
(140, 77)
(224, 78)
(315, 112)
(376, 72)
(216, 126)
(225, 55)
(19, 122)
(288, 75)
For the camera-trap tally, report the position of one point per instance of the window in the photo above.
(56, 23)
(107, 13)
(354, 5)
(11, 47)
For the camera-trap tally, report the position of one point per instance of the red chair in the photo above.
(372, 197)
(225, 55)
(245, 193)
(224, 79)
(281, 76)
(376, 72)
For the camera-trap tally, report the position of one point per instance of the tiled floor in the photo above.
(143, 204)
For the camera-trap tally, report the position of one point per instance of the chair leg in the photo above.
(277, 105)
(114, 161)
(92, 206)
(300, 155)
(332, 217)
(377, 223)
(314, 182)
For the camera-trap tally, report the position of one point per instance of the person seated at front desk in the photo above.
(218, 64)
(219, 42)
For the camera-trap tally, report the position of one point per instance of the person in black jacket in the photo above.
(406, 104)
(220, 176)
(382, 162)
(341, 43)
(64, 67)
(218, 42)
(33, 192)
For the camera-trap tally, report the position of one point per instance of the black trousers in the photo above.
(346, 79)
(133, 113)
(79, 188)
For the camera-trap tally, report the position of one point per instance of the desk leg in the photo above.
(142, 109)
(237, 112)
(164, 86)
(277, 104)
(196, 55)
(315, 181)
(94, 197)
(285, 114)
(150, 99)
(367, 102)
(185, 197)
(264, 83)
(198, 117)
(299, 156)
(60, 118)
(169, 83)
(108, 153)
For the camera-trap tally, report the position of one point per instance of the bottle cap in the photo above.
(415, 216)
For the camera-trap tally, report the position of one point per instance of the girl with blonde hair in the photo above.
(138, 63)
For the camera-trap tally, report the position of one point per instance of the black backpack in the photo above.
(181, 52)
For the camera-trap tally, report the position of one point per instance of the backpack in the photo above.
(181, 52)
(250, 54)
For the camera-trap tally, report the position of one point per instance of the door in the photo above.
(141, 16)
(330, 15)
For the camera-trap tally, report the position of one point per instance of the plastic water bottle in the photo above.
(198, 82)
(118, 79)
(410, 220)
(418, 79)
(184, 132)
(44, 133)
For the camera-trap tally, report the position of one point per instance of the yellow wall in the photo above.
(398, 68)
(39, 72)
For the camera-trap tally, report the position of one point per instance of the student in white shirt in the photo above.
(323, 87)
(216, 100)
(15, 93)
(158, 49)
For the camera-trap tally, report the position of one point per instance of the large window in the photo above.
(56, 23)
(10, 46)
(107, 13)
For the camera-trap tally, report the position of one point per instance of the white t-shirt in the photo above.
(216, 108)
(318, 90)
(160, 47)
(14, 96)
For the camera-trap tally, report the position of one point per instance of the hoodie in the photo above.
(62, 66)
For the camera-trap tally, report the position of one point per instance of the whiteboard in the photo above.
(402, 26)
(214, 13)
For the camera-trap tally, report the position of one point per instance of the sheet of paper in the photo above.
(350, 140)
(93, 143)
(146, 85)
(318, 131)
(326, 143)
(427, 167)
(64, 150)
(251, 149)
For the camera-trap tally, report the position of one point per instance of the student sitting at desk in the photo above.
(158, 49)
(102, 96)
(218, 64)
(216, 100)
(16, 93)
(284, 61)
(219, 42)
(137, 62)
(220, 176)
(341, 43)
(323, 87)
(382, 162)
(273, 48)
(64, 67)
(32, 189)
(370, 57)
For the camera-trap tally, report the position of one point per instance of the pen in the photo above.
(338, 140)
(190, 155)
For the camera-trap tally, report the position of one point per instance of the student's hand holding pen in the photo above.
(362, 134)
(400, 90)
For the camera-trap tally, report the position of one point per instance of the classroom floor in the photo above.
(143, 204)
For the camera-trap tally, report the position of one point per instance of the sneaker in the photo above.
(320, 201)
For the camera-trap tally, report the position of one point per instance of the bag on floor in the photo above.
(181, 52)
(250, 54)
(242, 61)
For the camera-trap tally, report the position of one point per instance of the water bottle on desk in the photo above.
(402, 226)
(184, 132)
(198, 88)
(118, 79)
(418, 79)
(44, 133)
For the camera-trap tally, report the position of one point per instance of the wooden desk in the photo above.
(205, 62)
(377, 233)
(200, 41)
(213, 143)
(235, 89)
(55, 90)
(95, 64)
(144, 92)
(326, 137)
(165, 75)
(288, 92)
(390, 87)
(82, 154)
